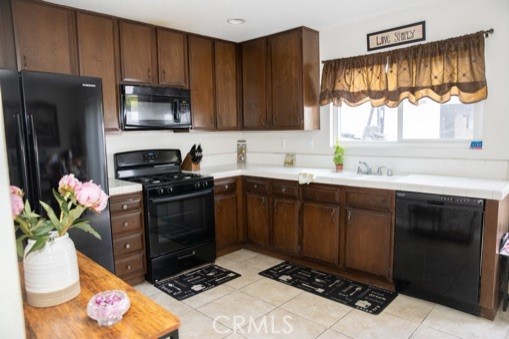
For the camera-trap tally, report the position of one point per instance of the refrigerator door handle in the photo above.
(36, 157)
(22, 152)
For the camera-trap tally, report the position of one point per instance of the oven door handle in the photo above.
(177, 197)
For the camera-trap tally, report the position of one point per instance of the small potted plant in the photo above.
(339, 156)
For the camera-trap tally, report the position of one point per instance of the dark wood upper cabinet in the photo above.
(226, 85)
(7, 45)
(280, 81)
(97, 53)
(285, 66)
(201, 76)
(45, 37)
(254, 84)
(172, 58)
(138, 61)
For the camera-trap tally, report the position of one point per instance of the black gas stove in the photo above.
(179, 210)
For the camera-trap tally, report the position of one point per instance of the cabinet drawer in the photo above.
(370, 199)
(128, 244)
(129, 265)
(282, 189)
(125, 203)
(225, 186)
(321, 194)
(126, 222)
(257, 186)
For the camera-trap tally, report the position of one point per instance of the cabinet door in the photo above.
(320, 232)
(226, 220)
(285, 64)
(45, 37)
(368, 242)
(202, 81)
(257, 218)
(254, 84)
(172, 58)
(137, 52)
(97, 58)
(7, 45)
(286, 225)
(226, 85)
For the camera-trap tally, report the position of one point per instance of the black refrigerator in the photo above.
(54, 126)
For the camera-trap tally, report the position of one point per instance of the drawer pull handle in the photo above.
(128, 267)
(127, 246)
(126, 224)
(124, 206)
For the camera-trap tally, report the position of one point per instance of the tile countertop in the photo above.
(117, 187)
(448, 185)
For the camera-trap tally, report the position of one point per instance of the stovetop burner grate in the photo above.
(165, 178)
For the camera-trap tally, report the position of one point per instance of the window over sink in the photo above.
(427, 121)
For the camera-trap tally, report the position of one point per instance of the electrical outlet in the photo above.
(311, 143)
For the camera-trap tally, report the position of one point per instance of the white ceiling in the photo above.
(263, 17)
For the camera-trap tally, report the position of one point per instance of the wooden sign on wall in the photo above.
(397, 36)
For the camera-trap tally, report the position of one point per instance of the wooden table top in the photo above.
(144, 319)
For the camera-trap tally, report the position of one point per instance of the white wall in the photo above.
(11, 306)
(444, 19)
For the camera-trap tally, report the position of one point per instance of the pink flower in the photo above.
(101, 203)
(16, 191)
(88, 194)
(67, 184)
(16, 204)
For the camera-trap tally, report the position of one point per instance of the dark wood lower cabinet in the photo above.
(257, 219)
(320, 232)
(285, 225)
(368, 242)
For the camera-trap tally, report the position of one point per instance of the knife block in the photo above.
(188, 165)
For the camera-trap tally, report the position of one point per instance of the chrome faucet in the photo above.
(379, 170)
(367, 169)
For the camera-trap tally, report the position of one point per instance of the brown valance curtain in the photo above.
(436, 70)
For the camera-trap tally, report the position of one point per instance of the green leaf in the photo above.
(51, 215)
(87, 228)
(77, 212)
(45, 228)
(40, 242)
(19, 245)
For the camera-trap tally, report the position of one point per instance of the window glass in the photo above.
(426, 121)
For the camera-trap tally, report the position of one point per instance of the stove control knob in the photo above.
(160, 191)
(197, 185)
(169, 189)
(205, 184)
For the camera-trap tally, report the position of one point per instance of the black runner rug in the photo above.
(361, 296)
(188, 284)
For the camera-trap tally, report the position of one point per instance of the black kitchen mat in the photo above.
(363, 297)
(188, 284)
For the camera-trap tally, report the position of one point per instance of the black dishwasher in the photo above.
(437, 248)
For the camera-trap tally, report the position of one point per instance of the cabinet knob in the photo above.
(225, 187)
(126, 224)
(127, 246)
(25, 64)
(124, 206)
(255, 186)
(128, 267)
(283, 190)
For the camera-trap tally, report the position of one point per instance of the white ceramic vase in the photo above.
(51, 273)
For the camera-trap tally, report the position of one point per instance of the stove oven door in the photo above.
(180, 221)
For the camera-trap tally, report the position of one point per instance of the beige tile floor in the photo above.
(252, 306)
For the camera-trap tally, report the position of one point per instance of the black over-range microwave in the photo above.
(153, 108)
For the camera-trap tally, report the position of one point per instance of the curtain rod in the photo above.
(486, 34)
